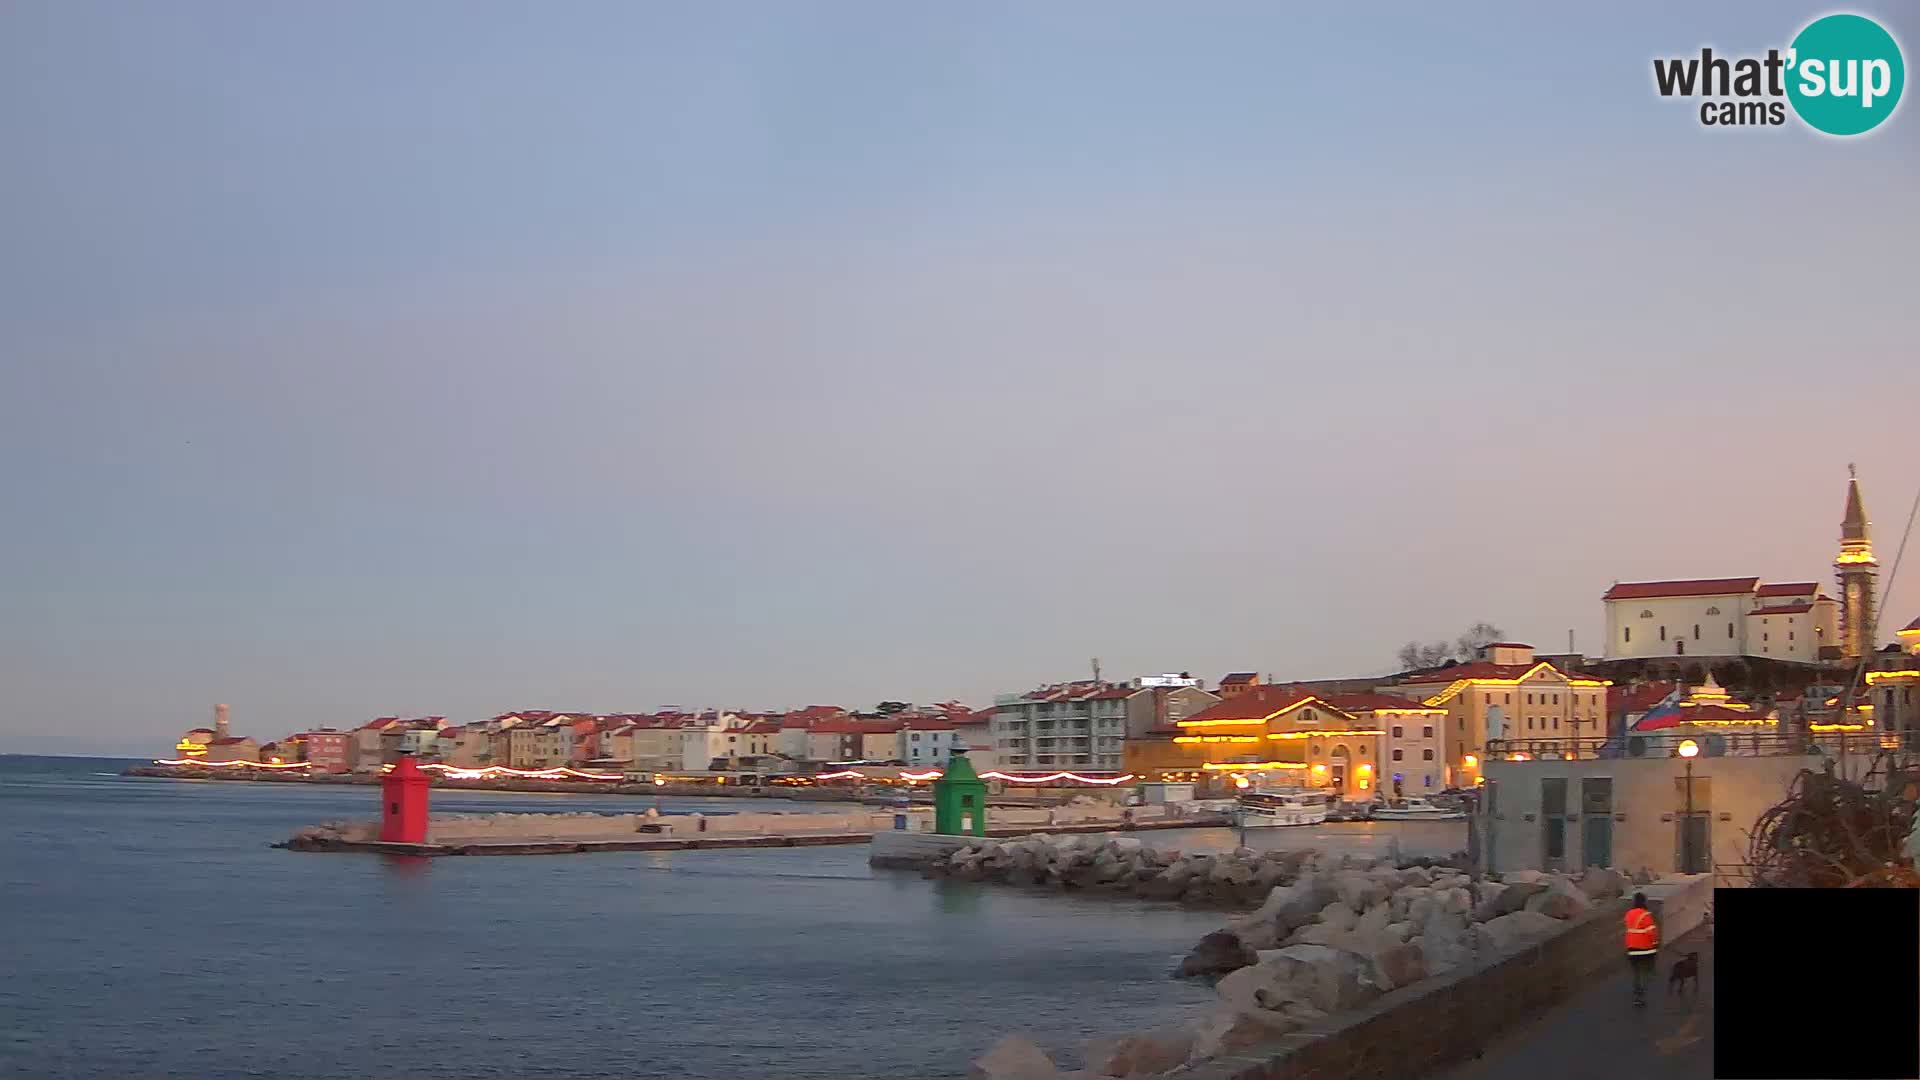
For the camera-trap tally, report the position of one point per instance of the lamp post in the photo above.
(1688, 751)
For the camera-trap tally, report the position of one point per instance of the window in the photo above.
(1398, 754)
(1763, 637)
(1427, 780)
(1506, 699)
(916, 736)
(1713, 611)
(1426, 755)
(1729, 630)
(1556, 723)
(1696, 631)
(1396, 731)
(1646, 613)
(1789, 635)
(1529, 699)
(1529, 723)
(1629, 633)
(1556, 699)
(1427, 732)
(1663, 633)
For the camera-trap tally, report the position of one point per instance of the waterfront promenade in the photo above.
(1599, 1035)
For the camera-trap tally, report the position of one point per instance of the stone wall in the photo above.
(1412, 1032)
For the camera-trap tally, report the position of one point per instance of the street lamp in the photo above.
(1688, 751)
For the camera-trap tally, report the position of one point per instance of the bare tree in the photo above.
(1478, 636)
(1415, 656)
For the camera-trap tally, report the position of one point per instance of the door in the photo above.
(1596, 821)
(1553, 823)
(1693, 824)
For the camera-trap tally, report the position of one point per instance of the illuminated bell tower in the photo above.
(1855, 567)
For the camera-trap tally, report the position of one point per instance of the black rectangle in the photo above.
(1816, 984)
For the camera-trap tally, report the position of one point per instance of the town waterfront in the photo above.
(151, 931)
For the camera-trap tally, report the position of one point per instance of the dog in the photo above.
(1685, 970)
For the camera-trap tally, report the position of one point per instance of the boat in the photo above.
(1349, 810)
(1269, 809)
(1415, 810)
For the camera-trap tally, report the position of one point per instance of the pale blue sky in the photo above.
(365, 358)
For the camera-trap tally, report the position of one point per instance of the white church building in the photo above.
(1720, 617)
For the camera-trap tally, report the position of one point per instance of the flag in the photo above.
(1665, 707)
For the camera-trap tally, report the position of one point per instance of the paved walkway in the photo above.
(1600, 1034)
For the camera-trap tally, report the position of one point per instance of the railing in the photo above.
(1667, 744)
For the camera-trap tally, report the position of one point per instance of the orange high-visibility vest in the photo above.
(1643, 936)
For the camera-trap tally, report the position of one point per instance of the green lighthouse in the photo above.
(959, 799)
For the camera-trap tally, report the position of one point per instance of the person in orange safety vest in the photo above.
(1643, 946)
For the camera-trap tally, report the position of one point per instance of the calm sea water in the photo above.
(149, 931)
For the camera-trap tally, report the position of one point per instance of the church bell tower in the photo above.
(1855, 567)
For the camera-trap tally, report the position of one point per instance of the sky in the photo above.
(447, 358)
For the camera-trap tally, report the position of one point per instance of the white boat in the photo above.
(1415, 810)
(1269, 809)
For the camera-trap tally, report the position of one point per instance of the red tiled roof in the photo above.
(1783, 609)
(1789, 588)
(762, 727)
(229, 741)
(836, 726)
(1692, 713)
(1118, 693)
(1237, 677)
(380, 724)
(930, 723)
(1508, 645)
(1257, 703)
(1652, 590)
(1373, 700)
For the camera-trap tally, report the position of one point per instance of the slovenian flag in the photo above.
(1666, 707)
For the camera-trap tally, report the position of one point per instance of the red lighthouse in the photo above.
(403, 801)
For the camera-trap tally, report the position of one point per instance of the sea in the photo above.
(149, 929)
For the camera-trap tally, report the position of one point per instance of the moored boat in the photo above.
(1269, 809)
(1415, 810)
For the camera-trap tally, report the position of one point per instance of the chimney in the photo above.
(219, 721)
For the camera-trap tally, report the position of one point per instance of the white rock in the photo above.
(1228, 1030)
(1509, 932)
(1144, 1053)
(1516, 876)
(1338, 916)
(1013, 1058)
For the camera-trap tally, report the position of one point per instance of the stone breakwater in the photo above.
(1329, 934)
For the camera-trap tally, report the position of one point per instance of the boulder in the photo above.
(1521, 877)
(1400, 931)
(1325, 977)
(1323, 934)
(1143, 1053)
(1217, 954)
(1515, 896)
(1370, 930)
(1228, 1030)
(1358, 891)
(1397, 965)
(1562, 900)
(1599, 883)
(1338, 916)
(1125, 845)
(1509, 932)
(1291, 906)
(1012, 1058)
(1264, 985)
(1415, 875)
(1443, 941)
(1488, 904)
(1643, 876)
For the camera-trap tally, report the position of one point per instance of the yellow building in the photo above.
(1509, 695)
(1265, 734)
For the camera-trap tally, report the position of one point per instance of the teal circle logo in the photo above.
(1845, 74)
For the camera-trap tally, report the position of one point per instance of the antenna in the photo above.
(1570, 648)
(1096, 669)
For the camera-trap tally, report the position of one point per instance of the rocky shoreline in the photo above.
(1326, 934)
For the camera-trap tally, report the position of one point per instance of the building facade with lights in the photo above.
(1508, 695)
(1271, 735)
